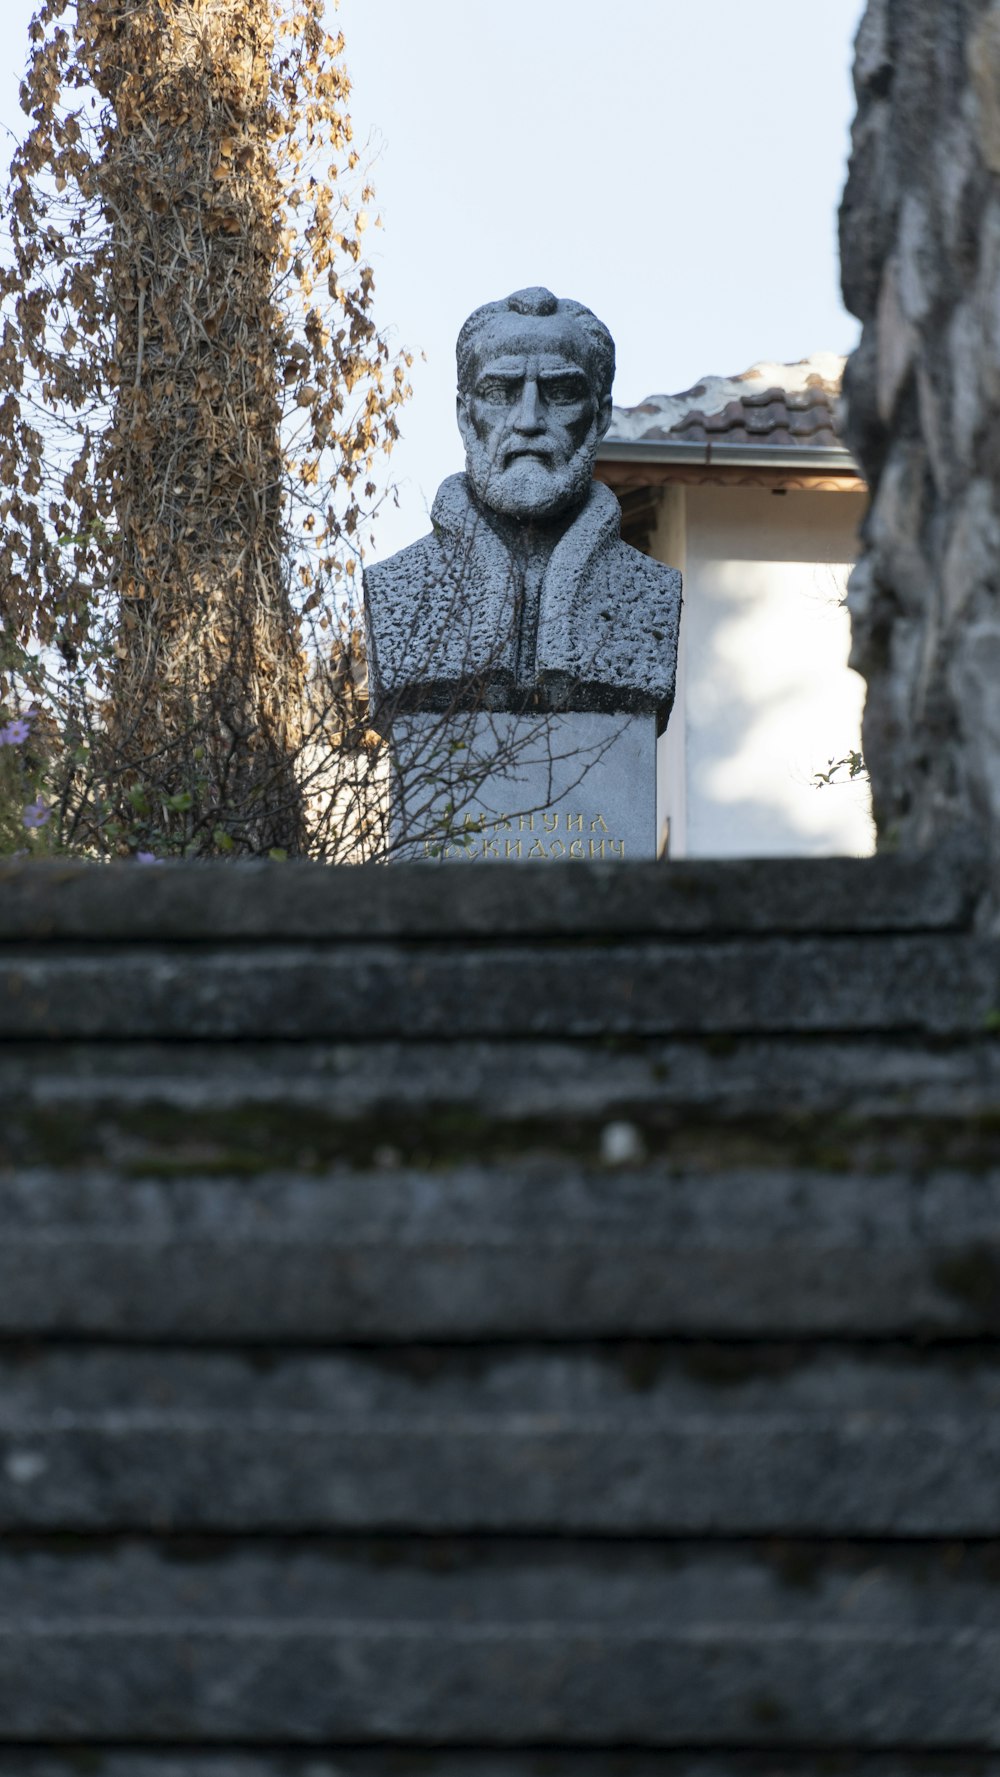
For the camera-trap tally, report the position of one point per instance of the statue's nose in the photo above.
(528, 415)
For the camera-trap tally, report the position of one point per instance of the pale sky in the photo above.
(674, 164)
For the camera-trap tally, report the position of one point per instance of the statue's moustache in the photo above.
(499, 484)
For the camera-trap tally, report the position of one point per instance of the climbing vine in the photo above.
(194, 395)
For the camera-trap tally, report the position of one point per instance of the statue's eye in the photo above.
(500, 391)
(564, 389)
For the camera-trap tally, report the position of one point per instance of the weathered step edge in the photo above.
(777, 1684)
(300, 901)
(943, 985)
(110, 1761)
(552, 1249)
(856, 1474)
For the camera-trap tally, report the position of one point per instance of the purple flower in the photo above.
(147, 857)
(15, 733)
(36, 814)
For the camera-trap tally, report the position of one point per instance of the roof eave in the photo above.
(834, 460)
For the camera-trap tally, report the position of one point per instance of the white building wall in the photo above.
(765, 696)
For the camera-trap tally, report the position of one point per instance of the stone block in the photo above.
(896, 343)
(652, 1441)
(471, 1644)
(397, 1761)
(186, 902)
(525, 788)
(539, 1246)
(942, 986)
(973, 550)
(975, 678)
(984, 72)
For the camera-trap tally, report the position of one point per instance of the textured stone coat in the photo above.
(443, 617)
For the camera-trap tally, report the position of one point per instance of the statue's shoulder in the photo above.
(436, 561)
(654, 579)
(410, 567)
(615, 564)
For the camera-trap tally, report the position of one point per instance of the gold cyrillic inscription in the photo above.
(545, 826)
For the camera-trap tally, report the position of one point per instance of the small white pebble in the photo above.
(25, 1466)
(387, 1156)
(621, 1144)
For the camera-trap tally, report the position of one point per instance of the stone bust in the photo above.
(524, 595)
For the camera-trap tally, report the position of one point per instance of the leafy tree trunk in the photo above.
(208, 678)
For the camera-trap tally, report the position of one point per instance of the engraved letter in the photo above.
(598, 822)
(512, 848)
(557, 849)
(526, 822)
(491, 848)
(618, 848)
(538, 850)
(597, 848)
(550, 820)
(574, 823)
(576, 848)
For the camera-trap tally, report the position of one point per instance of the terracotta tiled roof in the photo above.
(770, 404)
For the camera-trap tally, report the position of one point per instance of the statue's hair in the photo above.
(539, 301)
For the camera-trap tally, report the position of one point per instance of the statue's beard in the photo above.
(528, 488)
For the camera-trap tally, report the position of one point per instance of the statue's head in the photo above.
(534, 401)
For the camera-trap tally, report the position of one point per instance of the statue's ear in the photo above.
(464, 420)
(604, 416)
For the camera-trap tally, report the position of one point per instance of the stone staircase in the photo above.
(486, 1322)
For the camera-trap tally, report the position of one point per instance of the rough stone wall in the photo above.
(920, 244)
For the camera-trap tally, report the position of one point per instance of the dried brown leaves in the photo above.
(193, 391)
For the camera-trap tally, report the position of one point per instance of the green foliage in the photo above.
(840, 771)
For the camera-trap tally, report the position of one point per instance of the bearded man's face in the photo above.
(530, 418)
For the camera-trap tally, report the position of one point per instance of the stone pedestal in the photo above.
(545, 788)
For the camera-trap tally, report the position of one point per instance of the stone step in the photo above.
(317, 1091)
(68, 900)
(548, 1247)
(472, 1645)
(495, 1344)
(640, 1440)
(932, 985)
(109, 1761)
